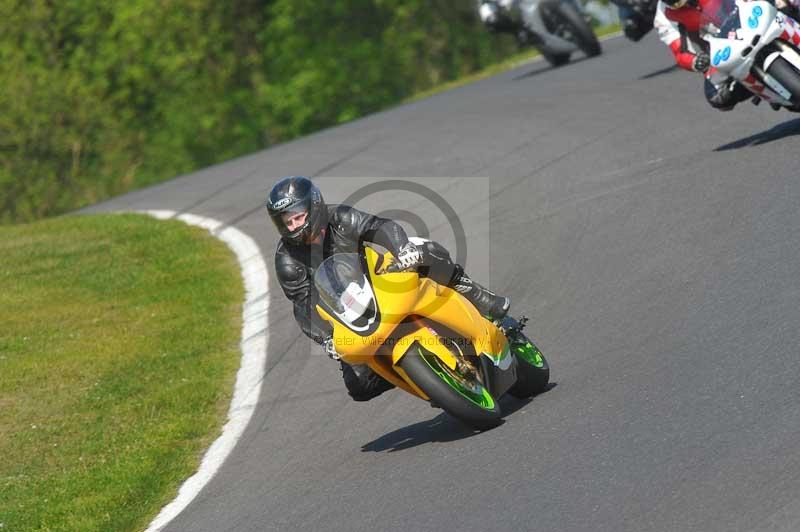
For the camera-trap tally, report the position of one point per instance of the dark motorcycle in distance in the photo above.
(636, 17)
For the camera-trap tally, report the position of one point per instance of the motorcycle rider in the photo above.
(499, 16)
(680, 24)
(311, 231)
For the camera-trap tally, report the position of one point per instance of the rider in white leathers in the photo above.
(500, 15)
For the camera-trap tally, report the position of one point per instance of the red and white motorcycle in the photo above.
(760, 47)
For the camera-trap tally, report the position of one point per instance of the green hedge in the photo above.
(103, 96)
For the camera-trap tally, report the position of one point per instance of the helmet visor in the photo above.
(292, 220)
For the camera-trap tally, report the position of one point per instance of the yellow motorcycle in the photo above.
(426, 338)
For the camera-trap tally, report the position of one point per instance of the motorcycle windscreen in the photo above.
(346, 293)
(712, 15)
(727, 20)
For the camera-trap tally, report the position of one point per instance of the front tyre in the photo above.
(556, 60)
(582, 34)
(533, 371)
(462, 397)
(788, 76)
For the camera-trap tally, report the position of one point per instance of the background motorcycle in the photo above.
(636, 17)
(556, 28)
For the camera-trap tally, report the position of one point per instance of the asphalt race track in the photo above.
(653, 243)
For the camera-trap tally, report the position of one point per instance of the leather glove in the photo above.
(409, 256)
(701, 62)
(330, 348)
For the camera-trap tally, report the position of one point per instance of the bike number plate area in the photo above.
(726, 54)
(723, 54)
(756, 17)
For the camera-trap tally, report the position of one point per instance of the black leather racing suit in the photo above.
(346, 232)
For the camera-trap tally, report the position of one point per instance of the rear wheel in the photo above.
(788, 76)
(461, 396)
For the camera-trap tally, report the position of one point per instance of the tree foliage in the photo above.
(102, 96)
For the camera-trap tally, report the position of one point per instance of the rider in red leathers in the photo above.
(680, 24)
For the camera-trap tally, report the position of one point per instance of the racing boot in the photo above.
(490, 305)
(362, 383)
(726, 95)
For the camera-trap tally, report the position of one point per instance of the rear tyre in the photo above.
(459, 396)
(788, 76)
(582, 34)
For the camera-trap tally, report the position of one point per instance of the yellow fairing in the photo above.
(428, 340)
(404, 298)
(446, 306)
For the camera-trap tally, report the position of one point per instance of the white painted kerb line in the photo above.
(254, 355)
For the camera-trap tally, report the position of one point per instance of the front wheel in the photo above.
(580, 31)
(460, 396)
(556, 60)
(788, 76)
(533, 371)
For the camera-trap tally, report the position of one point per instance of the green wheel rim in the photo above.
(473, 392)
(530, 354)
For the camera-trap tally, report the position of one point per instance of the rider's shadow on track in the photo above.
(442, 428)
(783, 130)
(660, 72)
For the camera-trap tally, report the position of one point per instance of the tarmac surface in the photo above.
(653, 243)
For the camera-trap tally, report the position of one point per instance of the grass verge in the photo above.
(118, 351)
(510, 63)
